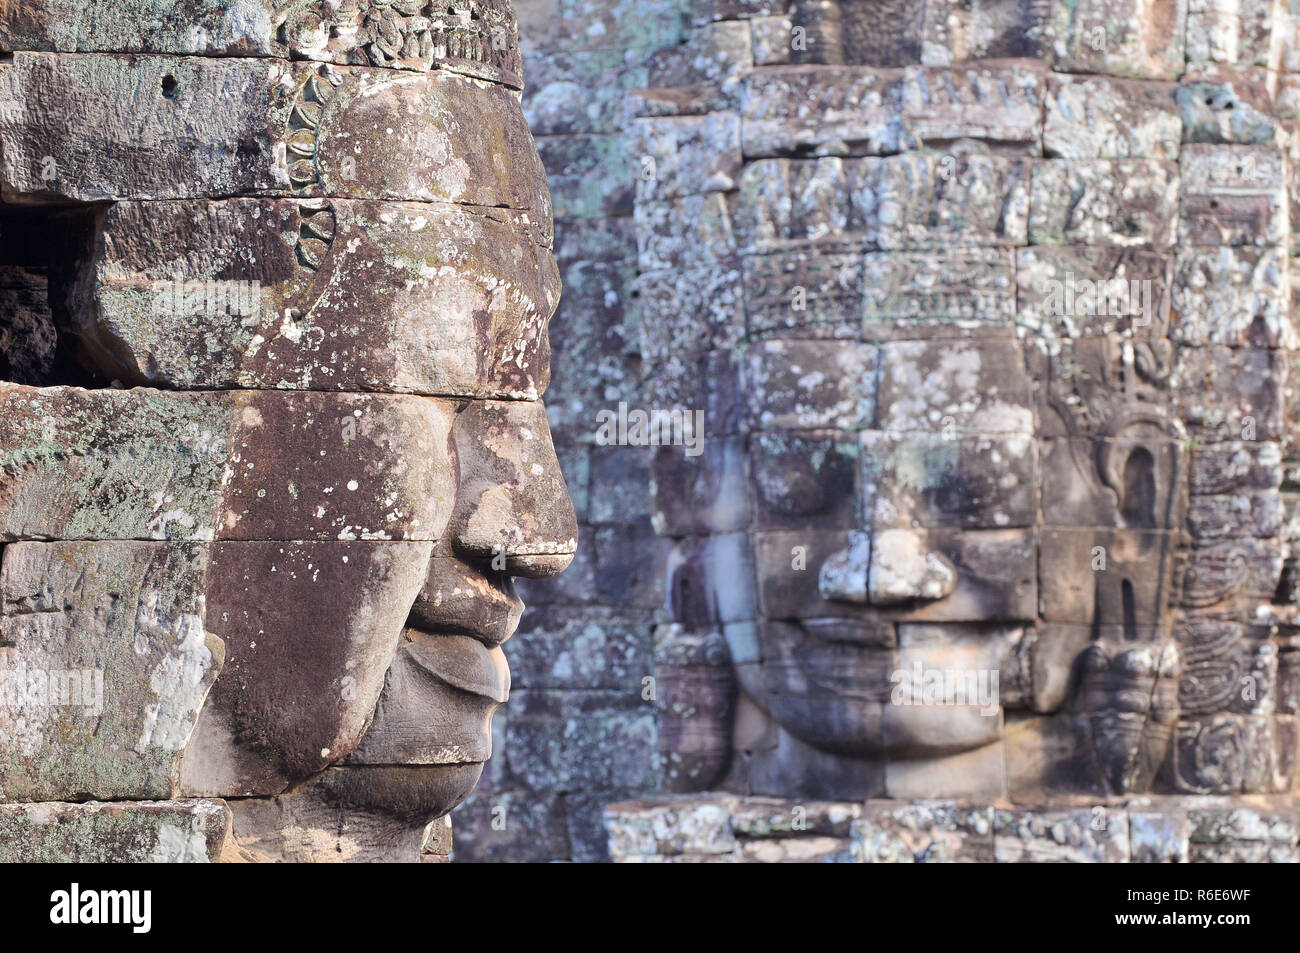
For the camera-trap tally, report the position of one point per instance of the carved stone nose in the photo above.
(843, 576)
(903, 569)
(513, 510)
(890, 567)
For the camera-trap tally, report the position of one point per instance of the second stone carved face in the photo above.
(937, 456)
(935, 507)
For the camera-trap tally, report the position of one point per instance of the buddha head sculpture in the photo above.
(274, 337)
(992, 356)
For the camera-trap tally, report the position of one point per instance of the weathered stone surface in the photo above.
(583, 740)
(1229, 106)
(511, 501)
(107, 659)
(1078, 291)
(1235, 467)
(1244, 33)
(1141, 830)
(806, 385)
(1223, 517)
(1039, 327)
(1157, 835)
(769, 817)
(73, 463)
(1236, 571)
(696, 569)
(643, 829)
(953, 389)
(925, 201)
(992, 573)
(912, 415)
(729, 830)
(1233, 195)
(287, 200)
(804, 480)
(616, 24)
(118, 144)
(704, 494)
(827, 203)
(939, 294)
(695, 689)
(1240, 832)
(811, 295)
(424, 298)
(295, 130)
(1099, 117)
(845, 111)
(978, 773)
(580, 91)
(511, 827)
(1050, 757)
(696, 229)
(120, 832)
(673, 301)
(770, 38)
(1120, 37)
(630, 565)
(565, 649)
(1078, 836)
(712, 58)
(597, 315)
(975, 481)
(1000, 103)
(588, 174)
(249, 739)
(670, 150)
(956, 31)
(479, 39)
(923, 833)
(1125, 202)
(1228, 394)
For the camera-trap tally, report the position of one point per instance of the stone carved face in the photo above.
(973, 373)
(282, 511)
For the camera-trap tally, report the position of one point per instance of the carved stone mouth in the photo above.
(461, 662)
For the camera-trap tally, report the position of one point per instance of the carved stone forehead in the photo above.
(393, 227)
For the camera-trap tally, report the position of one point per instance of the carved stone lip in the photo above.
(490, 637)
(461, 600)
(461, 662)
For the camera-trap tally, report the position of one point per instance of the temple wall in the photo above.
(870, 181)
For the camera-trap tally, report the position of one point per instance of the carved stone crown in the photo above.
(479, 38)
